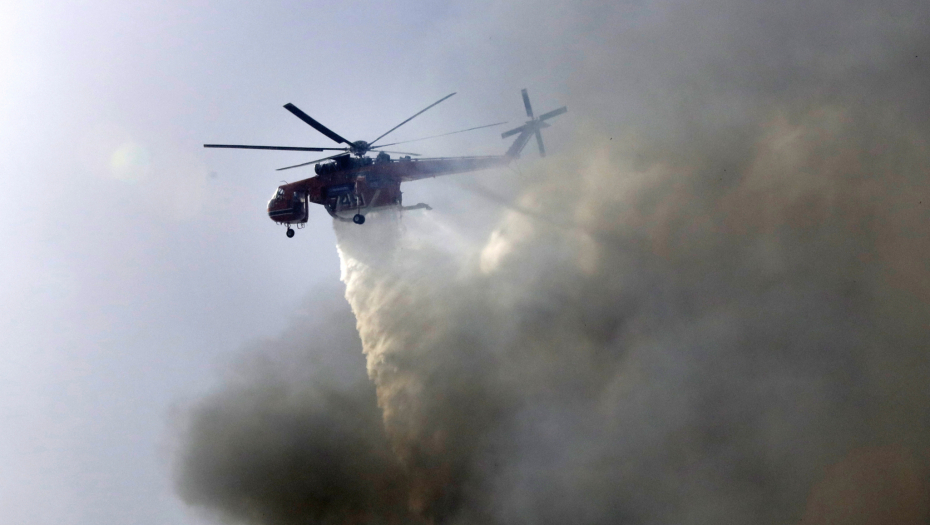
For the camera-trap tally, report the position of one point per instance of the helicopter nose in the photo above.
(278, 211)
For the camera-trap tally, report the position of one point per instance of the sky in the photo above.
(707, 303)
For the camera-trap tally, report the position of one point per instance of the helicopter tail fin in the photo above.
(531, 128)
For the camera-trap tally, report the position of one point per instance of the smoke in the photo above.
(722, 318)
(679, 356)
(295, 433)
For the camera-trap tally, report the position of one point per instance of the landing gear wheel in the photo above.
(290, 233)
(358, 219)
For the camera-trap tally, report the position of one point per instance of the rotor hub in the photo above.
(359, 147)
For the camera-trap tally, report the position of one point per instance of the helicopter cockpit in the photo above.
(278, 194)
(286, 207)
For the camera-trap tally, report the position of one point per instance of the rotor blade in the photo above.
(400, 153)
(542, 150)
(316, 125)
(311, 162)
(443, 135)
(281, 148)
(514, 131)
(409, 119)
(526, 102)
(553, 113)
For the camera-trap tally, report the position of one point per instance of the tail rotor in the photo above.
(531, 128)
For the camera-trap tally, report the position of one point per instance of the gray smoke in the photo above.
(295, 433)
(723, 316)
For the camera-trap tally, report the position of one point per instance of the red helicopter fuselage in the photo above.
(353, 186)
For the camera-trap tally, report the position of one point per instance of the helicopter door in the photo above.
(299, 205)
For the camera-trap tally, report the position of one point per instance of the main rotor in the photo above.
(358, 148)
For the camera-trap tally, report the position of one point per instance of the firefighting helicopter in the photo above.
(350, 183)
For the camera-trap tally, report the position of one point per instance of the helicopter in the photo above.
(350, 183)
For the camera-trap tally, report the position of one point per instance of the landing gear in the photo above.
(290, 233)
(358, 219)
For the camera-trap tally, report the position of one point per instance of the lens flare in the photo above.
(130, 162)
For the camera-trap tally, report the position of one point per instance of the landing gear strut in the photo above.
(290, 233)
(358, 219)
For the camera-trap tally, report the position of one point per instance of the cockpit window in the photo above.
(278, 194)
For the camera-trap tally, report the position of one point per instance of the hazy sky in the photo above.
(137, 268)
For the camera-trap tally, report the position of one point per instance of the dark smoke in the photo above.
(723, 319)
(296, 434)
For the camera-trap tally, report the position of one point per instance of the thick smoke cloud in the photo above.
(295, 434)
(722, 318)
